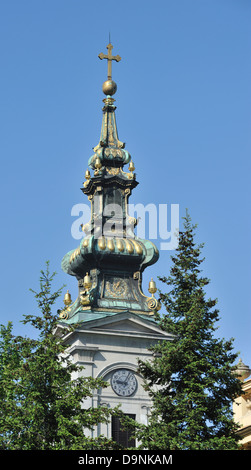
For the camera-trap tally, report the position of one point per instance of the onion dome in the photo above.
(124, 254)
(110, 150)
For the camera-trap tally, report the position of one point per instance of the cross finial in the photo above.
(109, 58)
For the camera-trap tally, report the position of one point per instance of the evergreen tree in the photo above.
(40, 401)
(190, 379)
(10, 361)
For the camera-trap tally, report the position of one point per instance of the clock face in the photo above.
(124, 382)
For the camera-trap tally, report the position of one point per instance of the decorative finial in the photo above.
(131, 166)
(67, 298)
(152, 287)
(87, 282)
(87, 174)
(87, 177)
(109, 86)
(98, 165)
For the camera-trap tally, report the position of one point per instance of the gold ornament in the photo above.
(152, 287)
(67, 299)
(110, 244)
(87, 282)
(98, 163)
(131, 166)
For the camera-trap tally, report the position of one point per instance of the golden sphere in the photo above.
(109, 87)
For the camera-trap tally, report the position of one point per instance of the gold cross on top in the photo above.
(109, 58)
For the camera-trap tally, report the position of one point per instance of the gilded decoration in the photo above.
(113, 171)
(116, 288)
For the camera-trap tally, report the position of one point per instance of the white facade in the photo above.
(106, 345)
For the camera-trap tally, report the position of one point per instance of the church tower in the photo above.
(114, 317)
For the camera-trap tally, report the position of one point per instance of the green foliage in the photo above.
(190, 378)
(42, 390)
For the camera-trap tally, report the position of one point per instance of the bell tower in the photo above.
(115, 318)
(110, 260)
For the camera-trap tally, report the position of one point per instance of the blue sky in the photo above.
(183, 109)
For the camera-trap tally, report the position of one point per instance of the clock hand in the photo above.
(125, 382)
(128, 377)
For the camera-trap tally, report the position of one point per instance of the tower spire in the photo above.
(110, 150)
(110, 259)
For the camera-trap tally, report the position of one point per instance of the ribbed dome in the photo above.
(124, 253)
